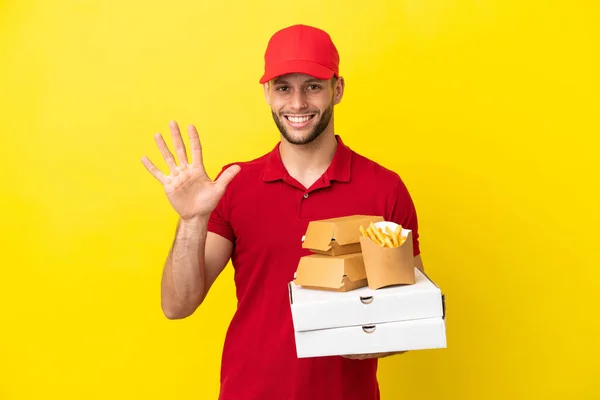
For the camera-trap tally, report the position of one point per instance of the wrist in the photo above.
(194, 222)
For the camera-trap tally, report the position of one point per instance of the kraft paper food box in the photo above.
(337, 236)
(337, 261)
(354, 251)
(389, 265)
(335, 273)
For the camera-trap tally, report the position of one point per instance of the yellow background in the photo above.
(488, 109)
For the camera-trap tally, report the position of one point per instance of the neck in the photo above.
(306, 163)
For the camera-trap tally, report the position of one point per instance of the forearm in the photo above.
(183, 282)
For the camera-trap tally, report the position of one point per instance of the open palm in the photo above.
(189, 189)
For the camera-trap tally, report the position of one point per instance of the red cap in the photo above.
(301, 49)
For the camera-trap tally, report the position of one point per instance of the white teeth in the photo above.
(298, 119)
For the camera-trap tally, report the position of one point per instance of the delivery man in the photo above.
(255, 214)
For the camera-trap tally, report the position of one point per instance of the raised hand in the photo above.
(189, 189)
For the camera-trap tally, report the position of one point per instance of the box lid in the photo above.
(319, 309)
(344, 230)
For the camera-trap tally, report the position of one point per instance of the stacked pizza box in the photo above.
(359, 292)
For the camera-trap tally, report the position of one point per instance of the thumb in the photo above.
(227, 176)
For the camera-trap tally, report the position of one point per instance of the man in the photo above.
(255, 214)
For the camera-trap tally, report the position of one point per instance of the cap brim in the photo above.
(298, 67)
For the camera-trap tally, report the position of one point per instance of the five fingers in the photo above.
(180, 151)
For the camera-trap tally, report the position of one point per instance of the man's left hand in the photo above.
(372, 355)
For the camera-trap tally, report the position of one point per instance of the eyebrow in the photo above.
(282, 81)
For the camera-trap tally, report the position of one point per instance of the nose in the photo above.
(298, 100)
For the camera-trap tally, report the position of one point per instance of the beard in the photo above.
(312, 135)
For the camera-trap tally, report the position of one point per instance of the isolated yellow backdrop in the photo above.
(488, 109)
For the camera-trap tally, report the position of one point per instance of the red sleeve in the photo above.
(219, 222)
(402, 211)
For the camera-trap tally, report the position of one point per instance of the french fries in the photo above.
(384, 238)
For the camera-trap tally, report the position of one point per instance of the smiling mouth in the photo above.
(299, 119)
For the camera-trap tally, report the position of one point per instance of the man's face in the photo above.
(302, 106)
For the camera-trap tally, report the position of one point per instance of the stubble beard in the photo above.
(314, 134)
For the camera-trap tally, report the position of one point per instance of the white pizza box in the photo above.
(418, 334)
(314, 309)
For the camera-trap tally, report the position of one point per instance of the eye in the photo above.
(314, 87)
(282, 88)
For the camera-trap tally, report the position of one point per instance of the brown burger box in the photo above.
(336, 273)
(337, 261)
(337, 236)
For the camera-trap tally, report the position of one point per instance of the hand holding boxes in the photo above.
(359, 293)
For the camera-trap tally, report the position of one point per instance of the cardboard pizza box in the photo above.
(323, 309)
(418, 334)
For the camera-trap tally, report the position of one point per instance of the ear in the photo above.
(266, 87)
(338, 90)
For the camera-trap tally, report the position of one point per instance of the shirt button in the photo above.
(306, 195)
